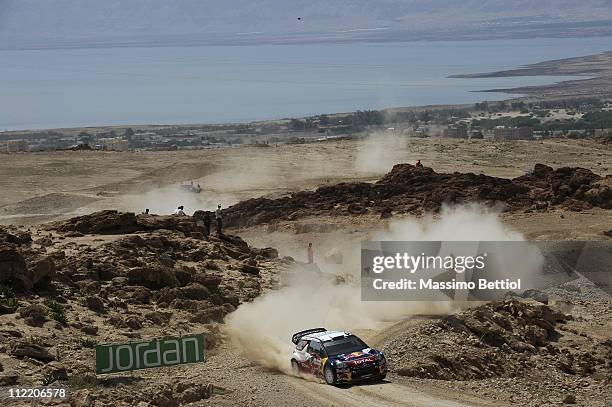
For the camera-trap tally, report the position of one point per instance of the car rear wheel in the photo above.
(330, 377)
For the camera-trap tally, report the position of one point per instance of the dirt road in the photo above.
(262, 387)
(376, 394)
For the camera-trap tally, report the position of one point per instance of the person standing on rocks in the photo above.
(418, 164)
(219, 220)
(179, 211)
(310, 254)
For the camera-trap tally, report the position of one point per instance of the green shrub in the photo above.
(87, 342)
(36, 340)
(82, 381)
(48, 379)
(10, 304)
(6, 292)
(56, 310)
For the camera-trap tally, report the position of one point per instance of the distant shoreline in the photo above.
(597, 67)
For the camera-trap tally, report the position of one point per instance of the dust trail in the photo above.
(263, 328)
(380, 151)
(165, 200)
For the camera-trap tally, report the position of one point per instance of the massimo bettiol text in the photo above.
(459, 270)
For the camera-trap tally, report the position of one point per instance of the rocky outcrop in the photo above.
(115, 222)
(501, 339)
(408, 189)
(102, 222)
(14, 236)
(22, 267)
(569, 186)
(13, 268)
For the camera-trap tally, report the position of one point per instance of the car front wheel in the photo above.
(295, 368)
(330, 377)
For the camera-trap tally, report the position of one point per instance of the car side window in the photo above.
(301, 344)
(315, 348)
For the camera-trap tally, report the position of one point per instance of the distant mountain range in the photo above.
(45, 23)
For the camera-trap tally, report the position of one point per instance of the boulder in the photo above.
(94, 303)
(569, 399)
(158, 318)
(537, 295)
(184, 224)
(194, 291)
(102, 222)
(89, 329)
(208, 280)
(152, 277)
(268, 253)
(212, 314)
(249, 269)
(141, 295)
(33, 315)
(133, 322)
(13, 268)
(56, 369)
(25, 349)
(41, 270)
(14, 236)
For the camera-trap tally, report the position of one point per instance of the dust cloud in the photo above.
(163, 201)
(263, 328)
(380, 151)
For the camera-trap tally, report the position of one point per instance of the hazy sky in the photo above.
(85, 19)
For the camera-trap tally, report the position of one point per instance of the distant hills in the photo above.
(44, 23)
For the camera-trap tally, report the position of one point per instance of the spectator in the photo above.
(310, 254)
(219, 220)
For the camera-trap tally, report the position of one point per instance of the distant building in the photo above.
(513, 133)
(14, 146)
(455, 132)
(116, 144)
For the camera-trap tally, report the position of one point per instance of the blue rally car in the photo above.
(337, 357)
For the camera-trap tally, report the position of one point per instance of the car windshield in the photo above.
(345, 344)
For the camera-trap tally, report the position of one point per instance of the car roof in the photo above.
(326, 336)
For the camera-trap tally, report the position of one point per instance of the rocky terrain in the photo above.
(411, 190)
(548, 349)
(110, 277)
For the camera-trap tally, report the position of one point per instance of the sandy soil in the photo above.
(39, 187)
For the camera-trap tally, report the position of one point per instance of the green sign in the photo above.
(144, 355)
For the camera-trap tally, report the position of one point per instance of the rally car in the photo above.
(337, 357)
